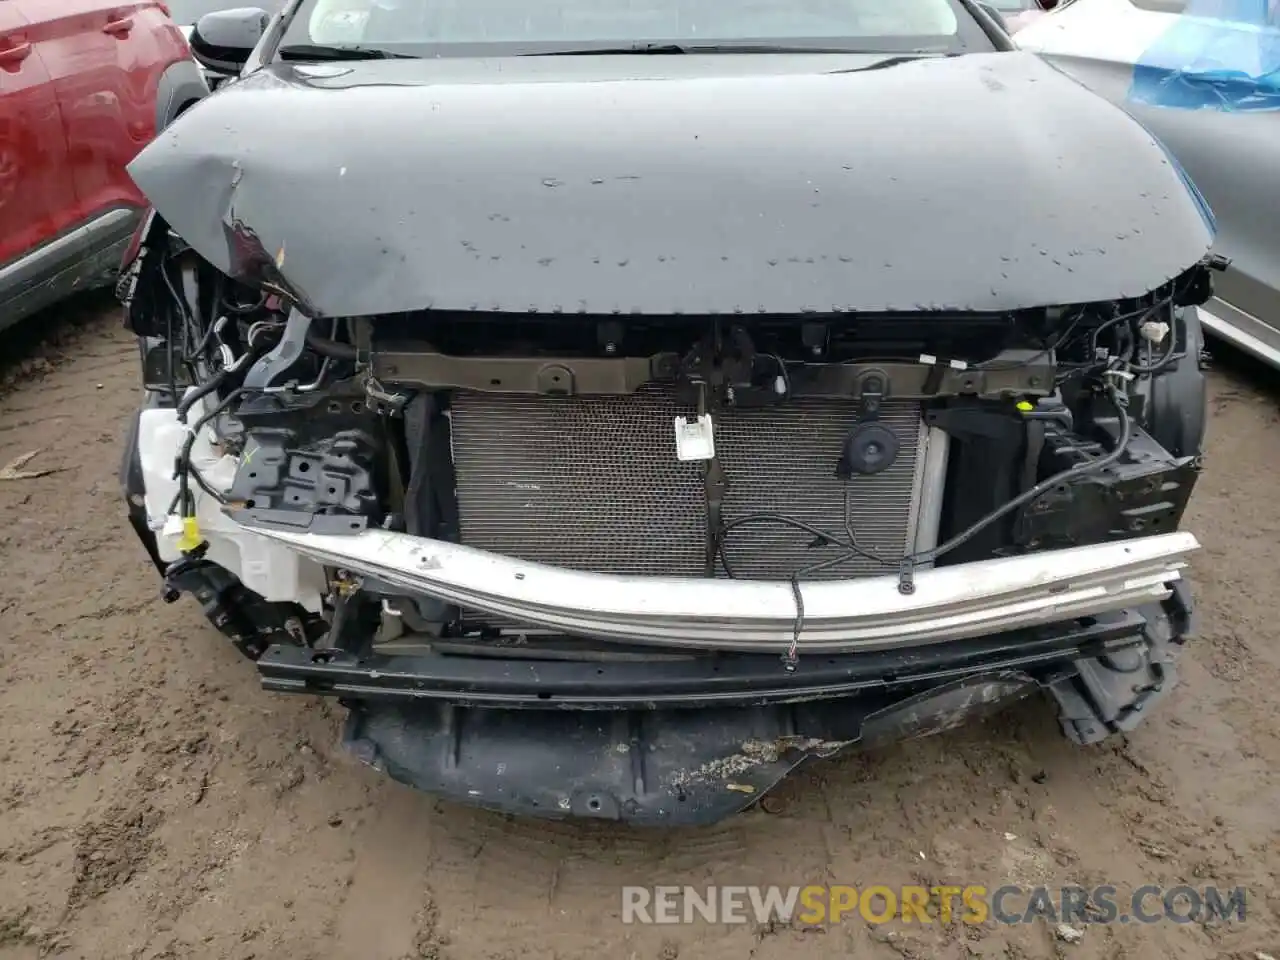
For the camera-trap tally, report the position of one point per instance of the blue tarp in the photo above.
(1217, 55)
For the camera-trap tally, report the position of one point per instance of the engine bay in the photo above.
(764, 447)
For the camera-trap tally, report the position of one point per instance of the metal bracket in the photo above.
(873, 387)
(381, 402)
(906, 576)
(284, 355)
(567, 376)
(1019, 374)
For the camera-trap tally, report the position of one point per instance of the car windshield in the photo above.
(511, 27)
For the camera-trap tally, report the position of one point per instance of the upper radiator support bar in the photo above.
(1011, 373)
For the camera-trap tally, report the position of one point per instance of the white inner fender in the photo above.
(271, 570)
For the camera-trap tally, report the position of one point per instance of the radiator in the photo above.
(593, 483)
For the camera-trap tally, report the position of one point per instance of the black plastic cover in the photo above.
(694, 740)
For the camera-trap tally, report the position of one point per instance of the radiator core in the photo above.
(593, 483)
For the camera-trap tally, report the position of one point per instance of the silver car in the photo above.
(185, 13)
(1017, 14)
(1204, 77)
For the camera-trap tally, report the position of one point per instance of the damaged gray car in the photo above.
(614, 405)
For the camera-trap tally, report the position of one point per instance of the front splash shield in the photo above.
(668, 739)
(867, 613)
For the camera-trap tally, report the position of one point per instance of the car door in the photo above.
(1184, 68)
(37, 194)
(143, 53)
(90, 48)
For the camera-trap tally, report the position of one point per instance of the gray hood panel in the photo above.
(982, 182)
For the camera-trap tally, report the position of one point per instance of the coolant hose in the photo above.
(331, 348)
(199, 392)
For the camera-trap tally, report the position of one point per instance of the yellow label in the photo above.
(191, 537)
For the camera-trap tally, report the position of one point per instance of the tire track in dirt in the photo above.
(227, 823)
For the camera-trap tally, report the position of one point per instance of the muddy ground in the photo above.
(155, 803)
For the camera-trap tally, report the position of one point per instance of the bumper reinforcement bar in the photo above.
(869, 613)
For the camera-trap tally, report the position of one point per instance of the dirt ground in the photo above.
(155, 803)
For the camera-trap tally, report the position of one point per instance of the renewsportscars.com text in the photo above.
(973, 904)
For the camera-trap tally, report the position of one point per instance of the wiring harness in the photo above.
(1110, 371)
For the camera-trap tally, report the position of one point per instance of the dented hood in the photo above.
(664, 184)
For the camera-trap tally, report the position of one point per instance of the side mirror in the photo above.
(222, 41)
(1047, 5)
(995, 15)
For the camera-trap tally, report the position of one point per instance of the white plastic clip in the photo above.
(1154, 331)
(696, 439)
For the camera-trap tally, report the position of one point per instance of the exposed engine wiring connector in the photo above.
(1154, 331)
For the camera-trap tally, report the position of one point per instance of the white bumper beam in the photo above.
(839, 616)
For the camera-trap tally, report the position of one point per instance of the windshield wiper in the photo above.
(318, 51)
(658, 49)
(895, 60)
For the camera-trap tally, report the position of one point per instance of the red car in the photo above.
(84, 85)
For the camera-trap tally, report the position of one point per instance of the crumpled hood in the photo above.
(982, 182)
